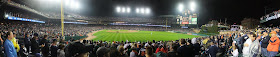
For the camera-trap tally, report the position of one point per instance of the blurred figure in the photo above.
(246, 47)
(102, 52)
(182, 50)
(172, 52)
(45, 49)
(212, 50)
(255, 47)
(264, 42)
(23, 51)
(149, 52)
(27, 42)
(1, 45)
(15, 43)
(61, 52)
(35, 47)
(54, 48)
(273, 45)
(10, 50)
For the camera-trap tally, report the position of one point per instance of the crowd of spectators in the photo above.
(44, 40)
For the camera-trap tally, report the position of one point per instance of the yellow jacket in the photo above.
(15, 44)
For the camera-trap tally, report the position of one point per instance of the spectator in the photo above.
(248, 42)
(182, 50)
(161, 53)
(273, 45)
(264, 42)
(15, 43)
(234, 51)
(61, 52)
(213, 50)
(102, 52)
(10, 50)
(172, 52)
(27, 42)
(54, 48)
(23, 51)
(45, 49)
(149, 52)
(133, 53)
(255, 47)
(35, 48)
(1, 45)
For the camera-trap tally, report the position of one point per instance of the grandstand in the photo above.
(136, 28)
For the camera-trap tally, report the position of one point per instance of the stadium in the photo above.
(139, 28)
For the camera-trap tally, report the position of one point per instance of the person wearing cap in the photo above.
(264, 42)
(247, 44)
(273, 45)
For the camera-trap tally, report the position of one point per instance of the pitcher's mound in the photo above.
(127, 31)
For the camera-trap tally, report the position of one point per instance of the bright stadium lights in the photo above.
(128, 10)
(67, 2)
(142, 10)
(137, 10)
(180, 7)
(6, 15)
(192, 6)
(148, 10)
(123, 9)
(77, 5)
(72, 4)
(118, 9)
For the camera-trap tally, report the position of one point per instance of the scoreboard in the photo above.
(187, 17)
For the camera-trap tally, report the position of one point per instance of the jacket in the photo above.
(10, 50)
(273, 44)
(265, 41)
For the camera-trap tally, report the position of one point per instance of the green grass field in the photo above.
(139, 36)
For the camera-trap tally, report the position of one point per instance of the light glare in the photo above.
(137, 10)
(123, 9)
(128, 9)
(148, 10)
(192, 6)
(118, 9)
(181, 7)
(142, 10)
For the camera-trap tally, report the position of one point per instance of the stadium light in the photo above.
(148, 10)
(123, 9)
(72, 4)
(118, 9)
(128, 10)
(142, 10)
(67, 2)
(192, 6)
(180, 7)
(6, 15)
(137, 10)
(77, 5)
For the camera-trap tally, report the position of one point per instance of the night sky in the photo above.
(232, 10)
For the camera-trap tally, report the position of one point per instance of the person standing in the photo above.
(255, 47)
(10, 50)
(213, 50)
(45, 49)
(264, 42)
(273, 45)
(246, 47)
(54, 48)
(27, 42)
(35, 47)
